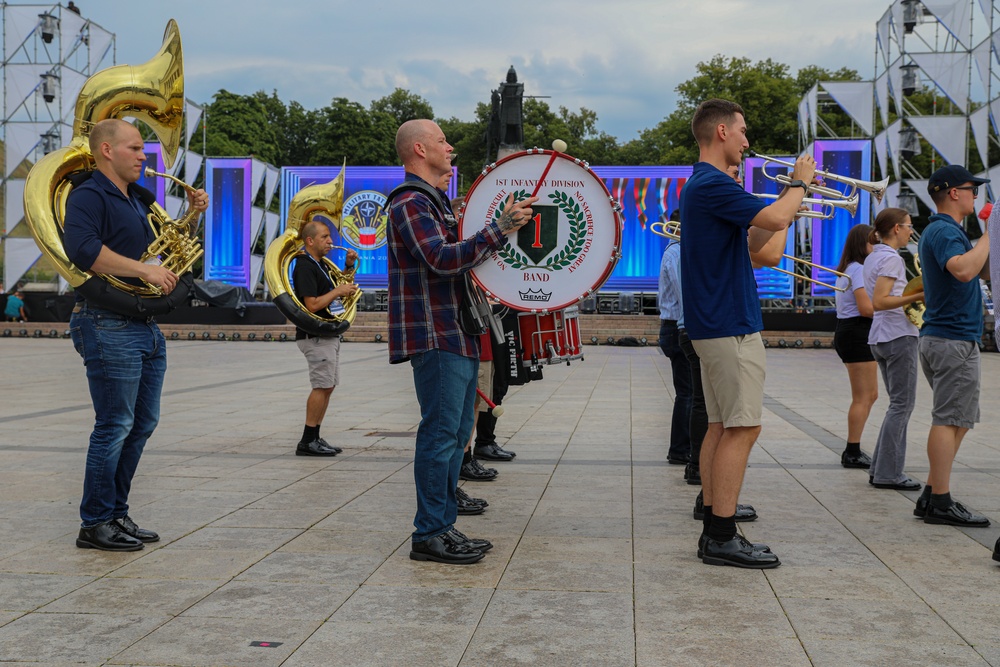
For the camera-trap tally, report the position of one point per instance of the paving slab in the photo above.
(594, 541)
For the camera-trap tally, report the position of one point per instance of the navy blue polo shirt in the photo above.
(717, 282)
(954, 309)
(98, 214)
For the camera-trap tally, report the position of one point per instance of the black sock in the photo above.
(310, 433)
(925, 495)
(723, 528)
(853, 448)
(941, 500)
(707, 520)
(467, 456)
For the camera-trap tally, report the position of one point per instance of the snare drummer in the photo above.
(723, 319)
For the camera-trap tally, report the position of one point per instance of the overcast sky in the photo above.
(623, 59)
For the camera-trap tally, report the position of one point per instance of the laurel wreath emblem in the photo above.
(514, 258)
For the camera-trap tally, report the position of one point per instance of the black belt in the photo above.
(80, 307)
(672, 322)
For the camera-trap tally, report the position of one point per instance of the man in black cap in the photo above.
(949, 339)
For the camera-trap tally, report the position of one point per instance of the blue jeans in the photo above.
(680, 370)
(446, 391)
(125, 361)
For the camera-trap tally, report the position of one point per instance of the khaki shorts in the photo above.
(485, 384)
(732, 373)
(952, 368)
(323, 356)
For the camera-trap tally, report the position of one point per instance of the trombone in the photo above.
(671, 230)
(876, 189)
(829, 206)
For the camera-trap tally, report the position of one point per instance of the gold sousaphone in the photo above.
(153, 93)
(321, 200)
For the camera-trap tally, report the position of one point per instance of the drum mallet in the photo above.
(496, 409)
(558, 146)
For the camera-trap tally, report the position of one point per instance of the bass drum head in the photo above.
(568, 249)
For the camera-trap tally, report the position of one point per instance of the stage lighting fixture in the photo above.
(283, 337)
(593, 339)
(66, 333)
(782, 343)
(221, 336)
(767, 343)
(49, 90)
(909, 143)
(47, 25)
(53, 333)
(817, 343)
(911, 15)
(907, 200)
(23, 333)
(192, 335)
(378, 338)
(236, 336)
(37, 333)
(910, 79)
(643, 340)
(174, 335)
(798, 342)
(267, 336)
(6, 333)
(251, 336)
(611, 341)
(206, 336)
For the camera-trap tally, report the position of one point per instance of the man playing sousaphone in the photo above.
(107, 231)
(317, 291)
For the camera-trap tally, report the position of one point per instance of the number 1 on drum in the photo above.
(537, 219)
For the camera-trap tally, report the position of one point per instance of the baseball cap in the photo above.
(952, 176)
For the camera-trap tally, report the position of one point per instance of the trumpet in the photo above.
(875, 188)
(671, 230)
(829, 206)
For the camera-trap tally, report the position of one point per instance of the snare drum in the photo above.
(550, 338)
(569, 248)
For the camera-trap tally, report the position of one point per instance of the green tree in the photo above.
(349, 131)
(402, 105)
(238, 125)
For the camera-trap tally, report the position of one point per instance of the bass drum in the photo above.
(569, 248)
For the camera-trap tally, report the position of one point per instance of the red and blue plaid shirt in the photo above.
(426, 263)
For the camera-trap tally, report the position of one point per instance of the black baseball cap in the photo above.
(952, 176)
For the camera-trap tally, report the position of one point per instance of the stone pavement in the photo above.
(594, 562)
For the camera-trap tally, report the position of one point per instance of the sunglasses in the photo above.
(974, 188)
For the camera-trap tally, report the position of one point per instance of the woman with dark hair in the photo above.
(893, 340)
(854, 322)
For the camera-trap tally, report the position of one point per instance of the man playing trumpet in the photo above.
(723, 318)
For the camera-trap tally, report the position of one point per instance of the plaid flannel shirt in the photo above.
(426, 263)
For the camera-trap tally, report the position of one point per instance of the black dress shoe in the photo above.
(493, 452)
(704, 538)
(445, 548)
(335, 448)
(462, 495)
(129, 528)
(107, 537)
(955, 514)
(481, 545)
(692, 473)
(473, 471)
(743, 512)
(996, 550)
(908, 484)
(859, 460)
(920, 509)
(737, 552)
(314, 448)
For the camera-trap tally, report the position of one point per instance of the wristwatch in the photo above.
(798, 184)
